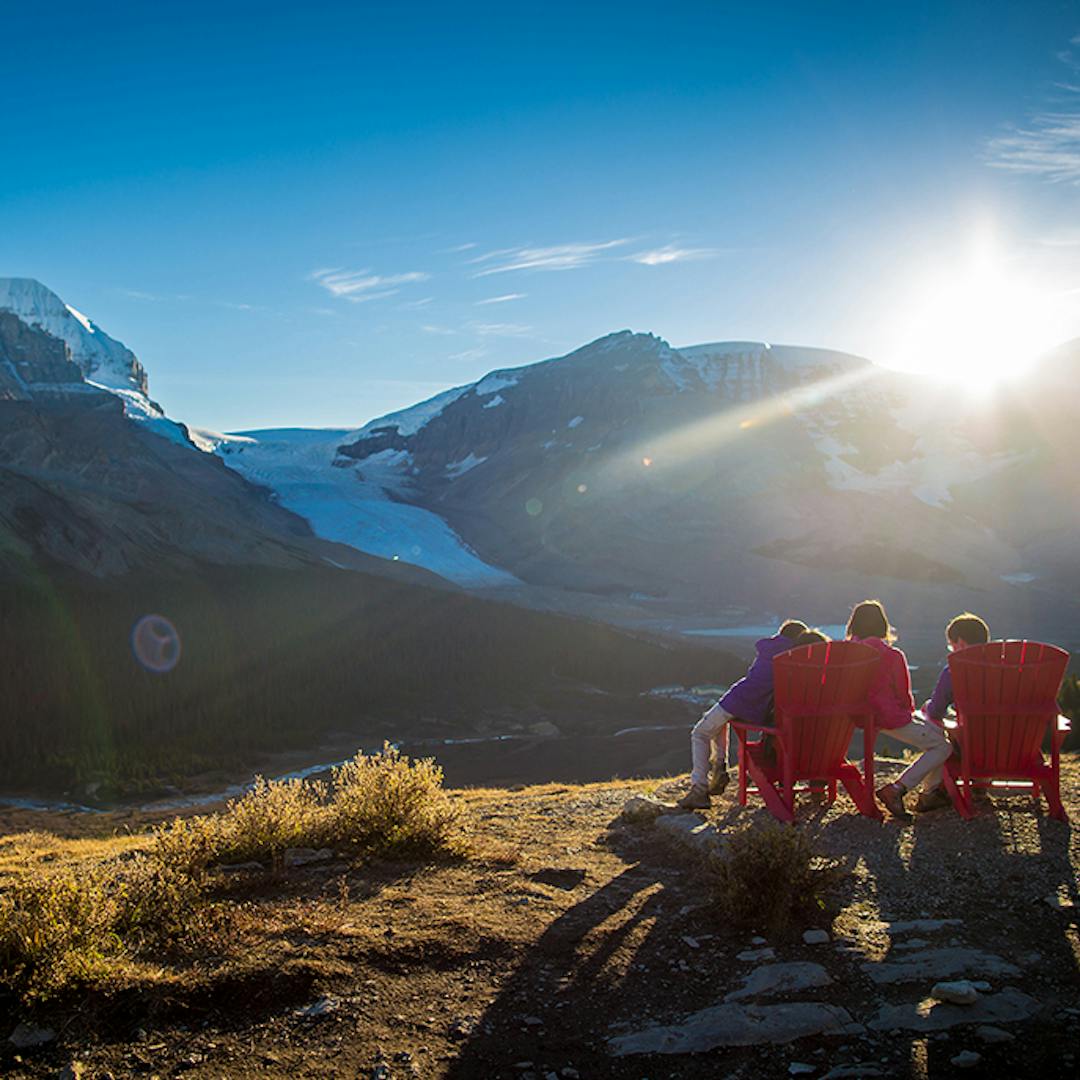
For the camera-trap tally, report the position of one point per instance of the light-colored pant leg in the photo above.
(706, 733)
(926, 736)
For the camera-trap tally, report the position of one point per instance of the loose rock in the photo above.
(966, 1059)
(752, 955)
(642, 809)
(816, 937)
(960, 992)
(990, 1034)
(26, 1036)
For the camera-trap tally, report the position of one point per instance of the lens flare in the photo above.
(156, 644)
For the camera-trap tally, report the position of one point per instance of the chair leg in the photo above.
(776, 805)
(742, 770)
(961, 799)
(1052, 791)
(861, 793)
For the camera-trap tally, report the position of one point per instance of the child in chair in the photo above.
(894, 709)
(961, 633)
(749, 699)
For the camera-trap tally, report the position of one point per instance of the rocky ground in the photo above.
(575, 943)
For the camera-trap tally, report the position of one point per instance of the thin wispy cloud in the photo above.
(468, 354)
(669, 253)
(459, 248)
(1048, 145)
(558, 257)
(500, 329)
(441, 331)
(414, 305)
(360, 286)
(504, 299)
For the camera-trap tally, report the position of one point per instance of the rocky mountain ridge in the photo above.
(731, 482)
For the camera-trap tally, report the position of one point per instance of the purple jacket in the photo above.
(942, 698)
(749, 699)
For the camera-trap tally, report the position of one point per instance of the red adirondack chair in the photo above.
(1005, 694)
(820, 694)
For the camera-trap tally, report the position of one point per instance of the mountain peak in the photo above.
(100, 358)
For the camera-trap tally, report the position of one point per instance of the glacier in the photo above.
(352, 504)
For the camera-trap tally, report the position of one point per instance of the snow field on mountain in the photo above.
(353, 504)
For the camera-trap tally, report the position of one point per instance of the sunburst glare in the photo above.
(979, 322)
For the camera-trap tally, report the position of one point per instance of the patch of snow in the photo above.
(574, 423)
(139, 408)
(352, 502)
(548, 445)
(82, 318)
(496, 381)
(1023, 578)
(495, 402)
(409, 421)
(459, 468)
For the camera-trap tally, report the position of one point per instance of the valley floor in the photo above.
(565, 928)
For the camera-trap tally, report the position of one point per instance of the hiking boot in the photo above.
(718, 779)
(697, 798)
(937, 799)
(891, 796)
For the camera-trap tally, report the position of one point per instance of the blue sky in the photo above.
(312, 214)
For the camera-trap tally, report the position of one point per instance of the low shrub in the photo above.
(771, 878)
(387, 804)
(69, 925)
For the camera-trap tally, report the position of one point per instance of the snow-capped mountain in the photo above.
(98, 363)
(710, 485)
(95, 478)
(100, 358)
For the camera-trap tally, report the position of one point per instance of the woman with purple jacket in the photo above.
(749, 699)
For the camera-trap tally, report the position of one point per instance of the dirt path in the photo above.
(569, 928)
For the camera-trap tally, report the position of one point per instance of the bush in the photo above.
(771, 877)
(69, 925)
(273, 816)
(387, 804)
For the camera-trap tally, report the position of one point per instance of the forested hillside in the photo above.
(273, 658)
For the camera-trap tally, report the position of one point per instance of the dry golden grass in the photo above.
(74, 912)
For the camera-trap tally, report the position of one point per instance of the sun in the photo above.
(978, 322)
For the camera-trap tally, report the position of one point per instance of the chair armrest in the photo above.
(745, 725)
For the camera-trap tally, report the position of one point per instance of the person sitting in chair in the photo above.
(749, 699)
